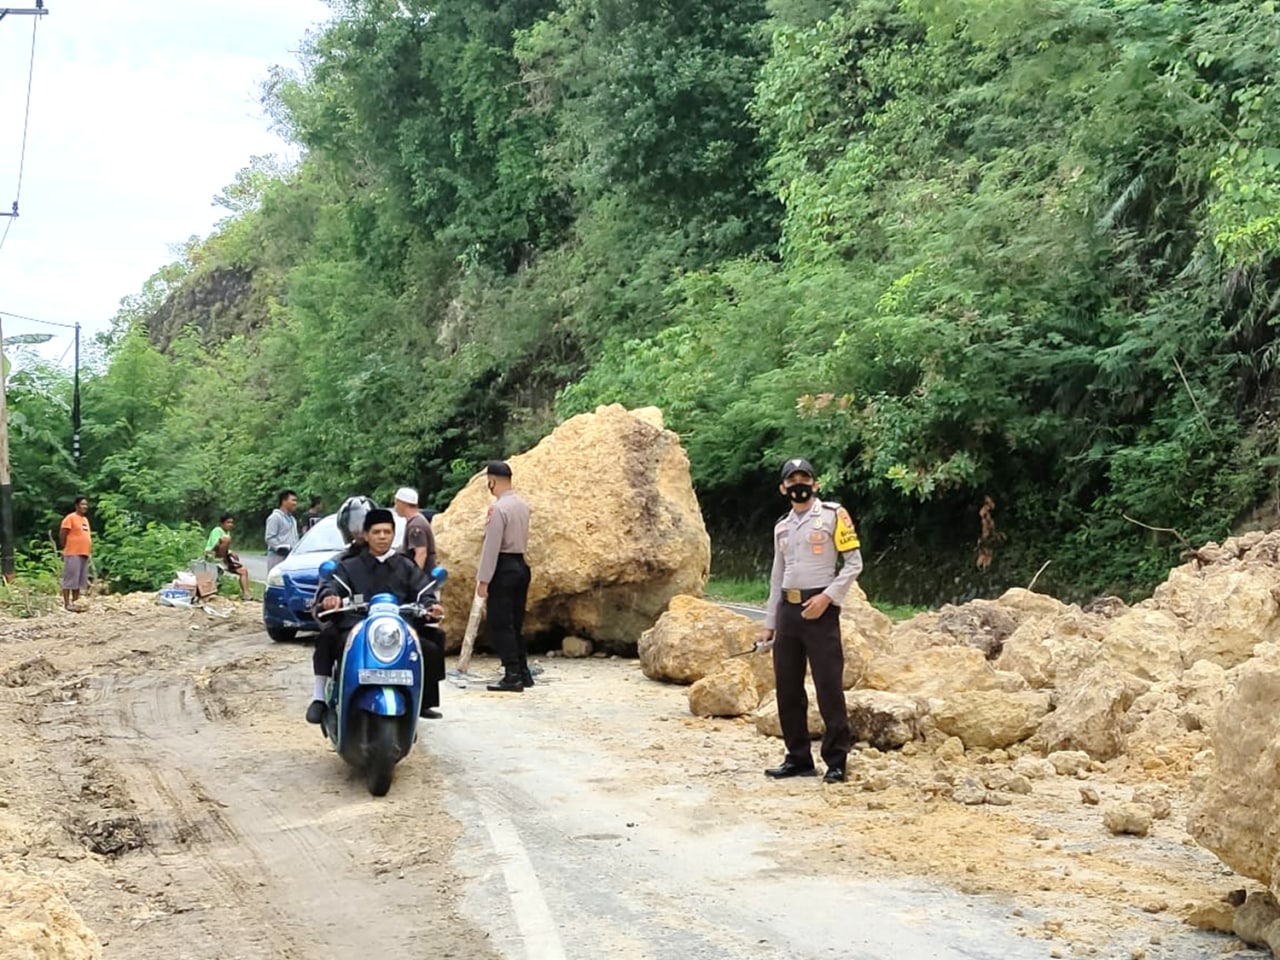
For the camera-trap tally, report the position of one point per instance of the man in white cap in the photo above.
(419, 540)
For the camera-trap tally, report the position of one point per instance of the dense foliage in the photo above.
(948, 249)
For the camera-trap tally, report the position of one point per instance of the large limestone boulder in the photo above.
(768, 723)
(1237, 815)
(37, 922)
(939, 673)
(1047, 646)
(886, 721)
(1091, 713)
(865, 634)
(729, 692)
(1024, 604)
(982, 624)
(1170, 723)
(615, 529)
(1201, 691)
(694, 637)
(1227, 606)
(991, 718)
(1146, 642)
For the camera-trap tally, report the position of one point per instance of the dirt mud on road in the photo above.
(156, 771)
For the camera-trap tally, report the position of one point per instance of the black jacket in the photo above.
(367, 576)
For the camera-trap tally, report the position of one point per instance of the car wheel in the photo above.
(281, 634)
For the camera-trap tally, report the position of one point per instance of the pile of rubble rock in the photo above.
(1179, 692)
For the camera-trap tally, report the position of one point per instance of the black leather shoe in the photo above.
(833, 775)
(431, 713)
(526, 678)
(508, 684)
(791, 769)
(316, 711)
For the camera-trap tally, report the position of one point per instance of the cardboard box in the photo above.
(206, 585)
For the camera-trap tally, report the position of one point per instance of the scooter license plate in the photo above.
(387, 678)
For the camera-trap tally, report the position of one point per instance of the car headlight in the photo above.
(386, 639)
(275, 578)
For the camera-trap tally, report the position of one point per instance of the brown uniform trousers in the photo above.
(817, 641)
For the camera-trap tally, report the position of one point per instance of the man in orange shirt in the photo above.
(76, 543)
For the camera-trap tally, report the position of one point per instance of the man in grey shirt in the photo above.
(502, 578)
(282, 528)
(419, 540)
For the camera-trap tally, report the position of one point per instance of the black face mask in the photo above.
(800, 493)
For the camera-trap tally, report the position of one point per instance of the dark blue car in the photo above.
(292, 583)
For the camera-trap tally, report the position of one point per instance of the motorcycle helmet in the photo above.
(351, 517)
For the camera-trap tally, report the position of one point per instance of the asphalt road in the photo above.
(256, 563)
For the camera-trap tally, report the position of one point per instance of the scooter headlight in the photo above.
(386, 639)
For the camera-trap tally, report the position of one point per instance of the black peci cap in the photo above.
(498, 468)
(797, 466)
(376, 516)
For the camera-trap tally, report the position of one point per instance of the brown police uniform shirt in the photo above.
(506, 531)
(808, 547)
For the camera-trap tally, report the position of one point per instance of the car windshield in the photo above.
(325, 538)
(322, 538)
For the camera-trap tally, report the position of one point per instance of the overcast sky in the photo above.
(140, 113)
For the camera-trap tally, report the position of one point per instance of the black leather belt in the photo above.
(792, 595)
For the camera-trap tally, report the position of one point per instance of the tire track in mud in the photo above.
(255, 843)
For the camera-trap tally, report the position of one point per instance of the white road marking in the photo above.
(533, 916)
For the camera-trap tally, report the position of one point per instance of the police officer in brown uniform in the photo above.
(815, 561)
(502, 578)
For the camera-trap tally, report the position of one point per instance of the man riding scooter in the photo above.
(370, 566)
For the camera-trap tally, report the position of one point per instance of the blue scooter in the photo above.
(374, 699)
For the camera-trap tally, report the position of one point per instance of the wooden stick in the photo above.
(469, 638)
(1038, 572)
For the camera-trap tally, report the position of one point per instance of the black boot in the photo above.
(511, 682)
(526, 678)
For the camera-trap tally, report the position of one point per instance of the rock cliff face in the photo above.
(218, 304)
(615, 529)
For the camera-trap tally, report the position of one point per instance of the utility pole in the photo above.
(37, 11)
(6, 485)
(75, 406)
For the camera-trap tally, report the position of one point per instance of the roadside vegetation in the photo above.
(951, 251)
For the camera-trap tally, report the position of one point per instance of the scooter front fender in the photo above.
(382, 701)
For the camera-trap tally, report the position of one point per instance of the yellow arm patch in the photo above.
(846, 536)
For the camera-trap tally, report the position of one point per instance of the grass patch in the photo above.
(27, 596)
(756, 592)
(897, 612)
(737, 590)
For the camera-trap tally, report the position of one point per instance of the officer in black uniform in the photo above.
(815, 561)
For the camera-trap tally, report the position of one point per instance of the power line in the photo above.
(26, 122)
(33, 320)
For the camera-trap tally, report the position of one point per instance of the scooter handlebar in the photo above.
(343, 608)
